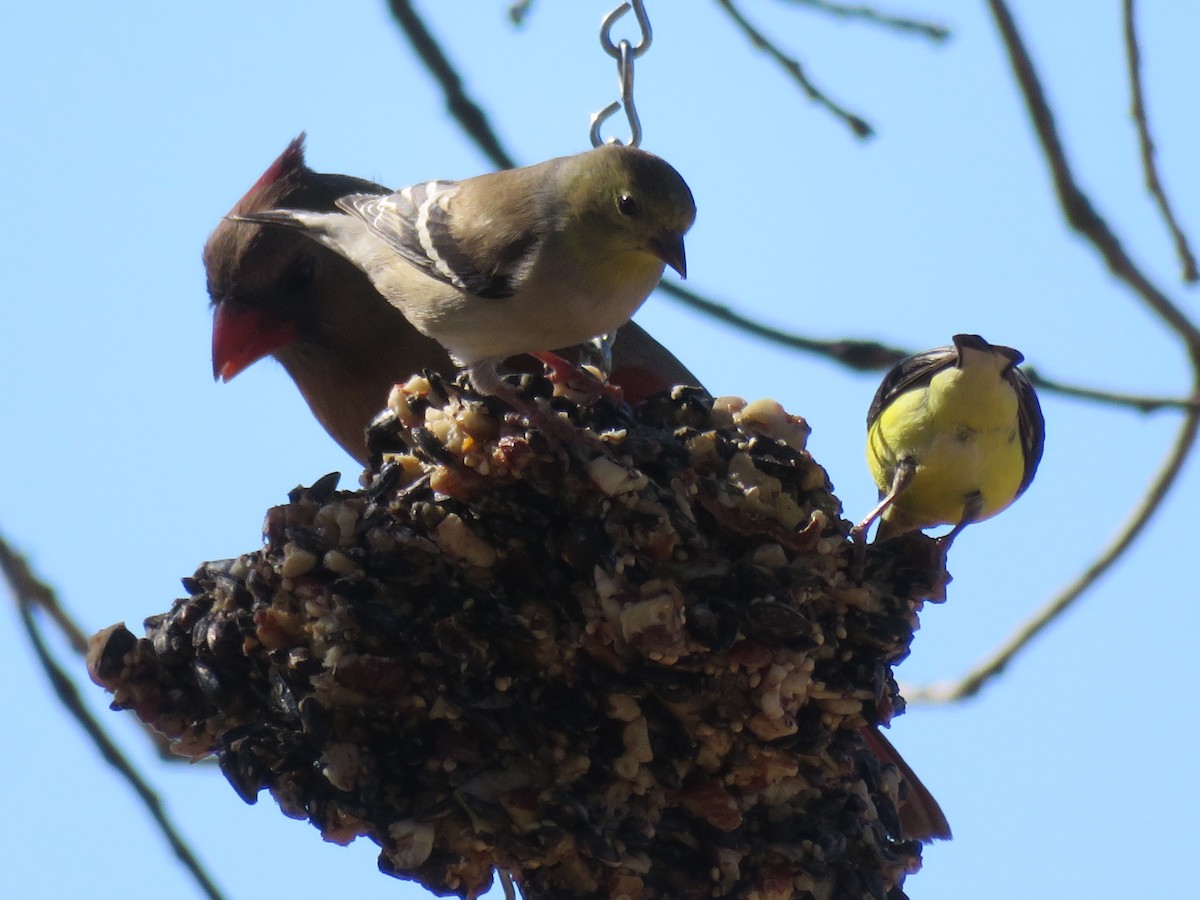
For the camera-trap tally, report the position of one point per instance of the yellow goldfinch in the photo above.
(954, 435)
(518, 261)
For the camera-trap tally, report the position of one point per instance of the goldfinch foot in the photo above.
(486, 379)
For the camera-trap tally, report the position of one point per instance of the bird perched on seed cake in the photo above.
(517, 261)
(274, 291)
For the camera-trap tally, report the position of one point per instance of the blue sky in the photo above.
(131, 128)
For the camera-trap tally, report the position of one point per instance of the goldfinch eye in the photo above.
(627, 206)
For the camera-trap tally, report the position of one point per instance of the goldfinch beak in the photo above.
(668, 247)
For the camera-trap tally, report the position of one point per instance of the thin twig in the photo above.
(858, 125)
(1141, 402)
(1077, 208)
(463, 108)
(932, 30)
(28, 589)
(43, 597)
(998, 660)
(30, 592)
(865, 356)
(871, 356)
(1133, 58)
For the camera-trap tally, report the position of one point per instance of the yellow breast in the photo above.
(961, 431)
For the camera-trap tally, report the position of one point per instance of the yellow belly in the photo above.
(962, 434)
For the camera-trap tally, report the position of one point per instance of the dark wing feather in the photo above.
(417, 223)
(912, 372)
(1031, 424)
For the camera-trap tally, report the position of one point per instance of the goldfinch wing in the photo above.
(419, 224)
(911, 372)
(1031, 425)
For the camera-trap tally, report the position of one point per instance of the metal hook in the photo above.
(598, 119)
(606, 26)
(626, 54)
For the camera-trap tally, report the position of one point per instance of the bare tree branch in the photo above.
(31, 592)
(1077, 208)
(1141, 402)
(858, 125)
(998, 660)
(862, 355)
(932, 30)
(869, 356)
(463, 108)
(1153, 183)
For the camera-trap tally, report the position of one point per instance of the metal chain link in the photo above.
(624, 53)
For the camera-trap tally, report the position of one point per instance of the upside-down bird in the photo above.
(954, 435)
